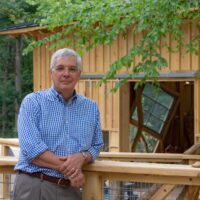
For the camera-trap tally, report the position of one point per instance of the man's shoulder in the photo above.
(36, 95)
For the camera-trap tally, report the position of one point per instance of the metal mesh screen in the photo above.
(6, 186)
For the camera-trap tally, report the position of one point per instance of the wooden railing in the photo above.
(136, 167)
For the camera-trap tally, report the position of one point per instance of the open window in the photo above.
(158, 107)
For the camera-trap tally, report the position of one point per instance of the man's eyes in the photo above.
(70, 69)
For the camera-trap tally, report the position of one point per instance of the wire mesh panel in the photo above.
(6, 186)
(118, 190)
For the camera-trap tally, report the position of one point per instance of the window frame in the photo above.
(168, 119)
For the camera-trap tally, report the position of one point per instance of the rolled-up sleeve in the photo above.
(97, 141)
(31, 144)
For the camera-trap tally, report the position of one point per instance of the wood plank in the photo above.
(9, 141)
(185, 64)
(86, 63)
(174, 57)
(130, 43)
(122, 50)
(115, 107)
(106, 58)
(196, 107)
(157, 169)
(195, 59)
(47, 65)
(92, 61)
(164, 42)
(162, 192)
(114, 51)
(22, 31)
(124, 113)
(109, 101)
(191, 192)
(36, 69)
(95, 182)
(148, 157)
(43, 72)
(99, 68)
(102, 105)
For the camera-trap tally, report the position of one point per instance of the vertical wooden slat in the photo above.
(95, 91)
(92, 61)
(109, 108)
(36, 67)
(184, 56)
(122, 50)
(86, 63)
(102, 104)
(130, 42)
(124, 113)
(99, 59)
(48, 77)
(115, 108)
(164, 51)
(137, 38)
(195, 59)
(174, 57)
(43, 67)
(106, 58)
(114, 51)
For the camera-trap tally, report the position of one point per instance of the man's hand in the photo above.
(72, 164)
(78, 180)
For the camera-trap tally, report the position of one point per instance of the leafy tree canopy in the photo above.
(93, 22)
(15, 11)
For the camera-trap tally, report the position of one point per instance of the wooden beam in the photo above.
(124, 105)
(21, 31)
(162, 192)
(9, 141)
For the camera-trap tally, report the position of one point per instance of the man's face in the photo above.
(65, 74)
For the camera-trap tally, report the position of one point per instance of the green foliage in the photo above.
(8, 93)
(93, 22)
(15, 11)
(12, 11)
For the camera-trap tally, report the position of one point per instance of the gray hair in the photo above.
(65, 52)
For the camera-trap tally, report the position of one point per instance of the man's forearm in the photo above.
(49, 160)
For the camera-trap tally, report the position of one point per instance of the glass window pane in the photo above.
(134, 115)
(160, 112)
(155, 124)
(147, 104)
(165, 99)
(149, 91)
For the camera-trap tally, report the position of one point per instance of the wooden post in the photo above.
(93, 188)
(124, 118)
(196, 108)
(5, 178)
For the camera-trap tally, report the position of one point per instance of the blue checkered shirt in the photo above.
(47, 122)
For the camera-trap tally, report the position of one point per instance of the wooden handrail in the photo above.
(9, 142)
(99, 171)
(148, 157)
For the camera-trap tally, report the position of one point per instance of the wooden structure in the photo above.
(148, 168)
(182, 77)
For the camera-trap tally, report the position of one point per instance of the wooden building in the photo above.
(179, 126)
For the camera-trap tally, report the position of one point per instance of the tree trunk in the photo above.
(18, 88)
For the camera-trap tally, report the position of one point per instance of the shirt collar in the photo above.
(55, 95)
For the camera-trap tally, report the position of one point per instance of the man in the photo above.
(59, 131)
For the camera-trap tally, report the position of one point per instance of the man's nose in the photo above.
(66, 71)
